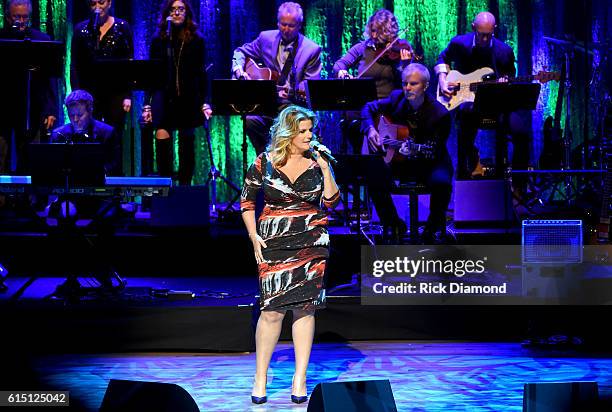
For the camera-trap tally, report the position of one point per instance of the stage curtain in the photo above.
(338, 24)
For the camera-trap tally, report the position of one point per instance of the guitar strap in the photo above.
(288, 64)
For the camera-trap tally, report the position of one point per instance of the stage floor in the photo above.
(424, 376)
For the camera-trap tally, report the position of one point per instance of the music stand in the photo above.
(342, 95)
(68, 166)
(29, 55)
(242, 98)
(362, 170)
(497, 99)
(133, 75)
(500, 98)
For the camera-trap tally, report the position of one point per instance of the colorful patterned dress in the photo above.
(294, 227)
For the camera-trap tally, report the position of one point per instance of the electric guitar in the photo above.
(465, 91)
(393, 137)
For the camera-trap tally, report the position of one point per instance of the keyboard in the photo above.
(114, 186)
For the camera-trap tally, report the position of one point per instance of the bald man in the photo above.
(466, 53)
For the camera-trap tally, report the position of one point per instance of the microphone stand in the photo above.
(29, 73)
(214, 173)
(169, 54)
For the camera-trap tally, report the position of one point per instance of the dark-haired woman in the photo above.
(179, 103)
(110, 38)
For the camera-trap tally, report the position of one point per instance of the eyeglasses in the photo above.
(177, 10)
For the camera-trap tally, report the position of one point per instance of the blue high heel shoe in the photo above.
(299, 399)
(296, 398)
(258, 400)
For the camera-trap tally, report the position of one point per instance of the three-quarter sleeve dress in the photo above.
(293, 224)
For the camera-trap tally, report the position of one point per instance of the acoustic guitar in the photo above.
(393, 137)
(258, 71)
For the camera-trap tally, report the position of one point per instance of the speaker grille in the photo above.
(552, 241)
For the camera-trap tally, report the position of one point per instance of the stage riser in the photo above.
(184, 254)
(53, 327)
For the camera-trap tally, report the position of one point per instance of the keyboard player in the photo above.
(83, 128)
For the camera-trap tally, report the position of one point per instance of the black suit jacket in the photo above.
(463, 57)
(431, 122)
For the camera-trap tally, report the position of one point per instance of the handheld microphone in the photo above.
(316, 146)
(96, 27)
(169, 27)
(96, 22)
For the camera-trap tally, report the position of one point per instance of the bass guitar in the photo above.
(465, 91)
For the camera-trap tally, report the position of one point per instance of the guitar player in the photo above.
(467, 53)
(428, 121)
(286, 51)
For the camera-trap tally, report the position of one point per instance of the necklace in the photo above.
(177, 65)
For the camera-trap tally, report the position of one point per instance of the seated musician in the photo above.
(429, 124)
(381, 30)
(286, 51)
(83, 128)
(467, 53)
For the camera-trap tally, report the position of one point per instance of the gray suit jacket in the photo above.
(307, 63)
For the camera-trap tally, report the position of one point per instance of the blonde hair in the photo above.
(286, 126)
(384, 24)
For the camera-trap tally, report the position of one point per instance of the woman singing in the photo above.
(290, 241)
(178, 104)
(101, 37)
